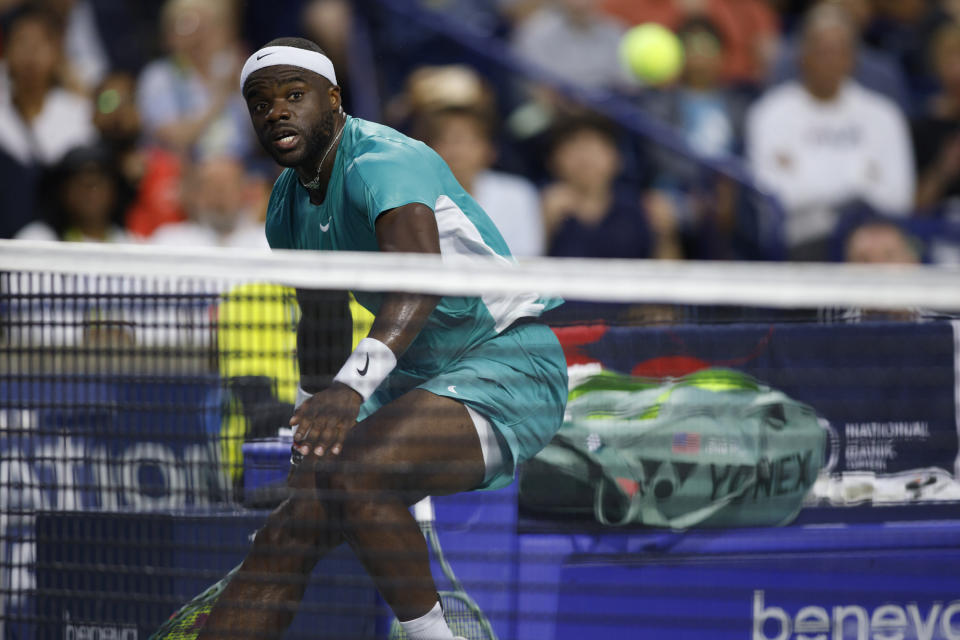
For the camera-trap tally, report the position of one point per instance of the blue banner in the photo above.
(99, 444)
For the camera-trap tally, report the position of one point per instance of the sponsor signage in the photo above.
(868, 582)
(888, 621)
(101, 446)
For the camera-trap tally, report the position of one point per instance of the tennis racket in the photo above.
(186, 623)
(461, 612)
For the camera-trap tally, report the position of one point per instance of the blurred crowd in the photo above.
(123, 122)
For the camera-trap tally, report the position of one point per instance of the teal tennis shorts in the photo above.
(517, 380)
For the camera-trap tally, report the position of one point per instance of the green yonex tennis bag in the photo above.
(712, 449)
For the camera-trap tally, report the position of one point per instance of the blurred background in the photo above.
(134, 404)
(818, 130)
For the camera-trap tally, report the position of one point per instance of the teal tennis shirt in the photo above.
(378, 169)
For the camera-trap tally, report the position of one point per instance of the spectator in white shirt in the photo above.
(220, 209)
(464, 139)
(825, 142)
(39, 120)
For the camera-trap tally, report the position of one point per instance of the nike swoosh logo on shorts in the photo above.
(325, 227)
(452, 388)
(265, 55)
(366, 365)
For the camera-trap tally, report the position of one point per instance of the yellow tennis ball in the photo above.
(652, 52)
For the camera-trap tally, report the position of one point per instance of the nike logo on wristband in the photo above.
(265, 55)
(366, 365)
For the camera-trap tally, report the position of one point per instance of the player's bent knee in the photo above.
(296, 523)
(276, 531)
(361, 497)
(346, 487)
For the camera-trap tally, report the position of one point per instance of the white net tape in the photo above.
(774, 285)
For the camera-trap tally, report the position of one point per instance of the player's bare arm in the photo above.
(324, 420)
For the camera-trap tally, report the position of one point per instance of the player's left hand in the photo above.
(323, 421)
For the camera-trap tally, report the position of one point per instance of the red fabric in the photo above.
(669, 367)
(573, 338)
(158, 198)
(745, 24)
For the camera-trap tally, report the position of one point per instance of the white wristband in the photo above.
(302, 396)
(369, 364)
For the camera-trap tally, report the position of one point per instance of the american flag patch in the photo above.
(684, 442)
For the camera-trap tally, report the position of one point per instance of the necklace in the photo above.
(315, 183)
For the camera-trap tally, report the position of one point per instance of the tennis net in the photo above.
(144, 396)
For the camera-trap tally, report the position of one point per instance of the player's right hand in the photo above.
(323, 421)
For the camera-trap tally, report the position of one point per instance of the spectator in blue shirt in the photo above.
(189, 100)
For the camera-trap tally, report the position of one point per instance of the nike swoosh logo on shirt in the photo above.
(325, 227)
(265, 55)
(366, 365)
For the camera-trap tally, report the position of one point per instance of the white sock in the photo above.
(431, 626)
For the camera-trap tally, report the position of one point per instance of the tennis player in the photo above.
(445, 394)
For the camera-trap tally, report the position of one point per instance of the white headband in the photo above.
(273, 56)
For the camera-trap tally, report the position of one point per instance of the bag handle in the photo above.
(644, 505)
(650, 514)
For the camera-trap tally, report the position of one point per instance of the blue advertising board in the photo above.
(120, 575)
(850, 596)
(79, 442)
(862, 582)
(100, 443)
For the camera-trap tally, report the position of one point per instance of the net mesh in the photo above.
(144, 405)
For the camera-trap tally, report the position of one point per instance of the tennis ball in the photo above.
(652, 52)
